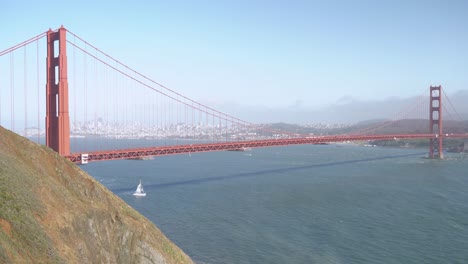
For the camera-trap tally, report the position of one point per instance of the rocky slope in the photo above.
(53, 212)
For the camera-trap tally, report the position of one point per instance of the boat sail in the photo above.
(139, 190)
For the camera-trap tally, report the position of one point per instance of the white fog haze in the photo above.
(347, 110)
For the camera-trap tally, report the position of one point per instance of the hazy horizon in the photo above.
(261, 61)
(347, 110)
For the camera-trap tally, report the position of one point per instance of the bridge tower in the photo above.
(435, 122)
(57, 117)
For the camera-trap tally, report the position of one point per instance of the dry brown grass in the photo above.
(53, 212)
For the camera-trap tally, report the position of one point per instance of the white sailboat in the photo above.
(139, 190)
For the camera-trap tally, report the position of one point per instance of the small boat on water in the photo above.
(139, 190)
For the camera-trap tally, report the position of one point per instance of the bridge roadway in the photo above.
(207, 147)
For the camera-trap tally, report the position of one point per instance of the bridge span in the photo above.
(209, 147)
(161, 107)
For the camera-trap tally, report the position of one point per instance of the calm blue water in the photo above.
(303, 204)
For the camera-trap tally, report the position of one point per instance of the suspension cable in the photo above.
(411, 106)
(450, 102)
(22, 44)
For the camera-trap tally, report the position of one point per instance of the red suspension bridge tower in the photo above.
(57, 117)
(435, 122)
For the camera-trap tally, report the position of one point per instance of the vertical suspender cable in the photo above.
(214, 126)
(163, 118)
(200, 116)
(158, 119)
(107, 120)
(173, 118)
(170, 106)
(206, 121)
(12, 94)
(132, 114)
(193, 129)
(1, 106)
(135, 120)
(153, 126)
(451, 105)
(74, 123)
(118, 105)
(144, 109)
(25, 93)
(37, 84)
(95, 93)
(159, 107)
(154, 117)
(85, 104)
(116, 91)
(129, 118)
(186, 119)
(178, 116)
(126, 102)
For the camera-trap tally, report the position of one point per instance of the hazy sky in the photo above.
(268, 54)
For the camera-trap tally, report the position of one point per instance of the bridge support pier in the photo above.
(435, 123)
(57, 116)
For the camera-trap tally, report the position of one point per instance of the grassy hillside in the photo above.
(53, 212)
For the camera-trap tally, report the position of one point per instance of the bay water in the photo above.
(303, 204)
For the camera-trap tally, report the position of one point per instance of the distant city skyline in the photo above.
(286, 61)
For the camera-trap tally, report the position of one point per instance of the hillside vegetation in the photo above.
(404, 126)
(53, 212)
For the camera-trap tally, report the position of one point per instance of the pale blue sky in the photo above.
(270, 54)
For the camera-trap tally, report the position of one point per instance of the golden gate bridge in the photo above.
(110, 100)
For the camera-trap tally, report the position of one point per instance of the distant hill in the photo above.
(392, 127)
(379, 126)
(53, 212)
(409, 126)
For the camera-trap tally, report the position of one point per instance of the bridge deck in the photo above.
(192, 148)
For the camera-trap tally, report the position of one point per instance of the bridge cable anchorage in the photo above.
(199, 105)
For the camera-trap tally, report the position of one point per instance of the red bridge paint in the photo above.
(435, 122)
(57, 117)
(58, 122)
(185, 149)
